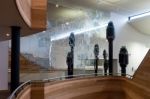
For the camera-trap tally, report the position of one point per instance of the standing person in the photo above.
(70, 55)
(69, 62)
(123, 60)
(96, 53)
(105, 62)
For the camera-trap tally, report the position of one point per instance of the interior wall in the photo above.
(126, 35)
(83, 50)
(4, 65)
(39, 45)
(36, 45)
(135, 42)
(84, 42)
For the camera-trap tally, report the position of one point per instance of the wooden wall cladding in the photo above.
(97, 88)
(136, 91)
(25, 93)
(142, 75)
(34, 12)
(88, 88)
(37, 91)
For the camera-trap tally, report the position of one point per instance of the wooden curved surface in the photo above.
(97, 87)
(88, 88)
(25, 94)
(30, 15)
(33, 12)
(24, 7)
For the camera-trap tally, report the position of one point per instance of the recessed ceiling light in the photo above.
(7, 34)
(57, 5)
(113, 1)
(43, 31)
(67, 23)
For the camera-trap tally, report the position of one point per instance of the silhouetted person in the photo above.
(110, 35)
(70, 55)
(105, 62)
(72, 41)
(69, 62)
(123, 60)
(96, 53)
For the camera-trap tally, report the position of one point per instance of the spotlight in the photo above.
(7, 34)
(67, 23)
(57, 5)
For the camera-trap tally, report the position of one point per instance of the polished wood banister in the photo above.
(25, 93)
(85, 88)
(74, 88)
(106, 87)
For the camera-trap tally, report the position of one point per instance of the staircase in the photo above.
(26, 65)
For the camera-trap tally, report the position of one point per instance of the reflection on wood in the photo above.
(89, 88)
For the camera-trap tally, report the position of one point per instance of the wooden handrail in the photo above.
(16, 91)
(103, 84)
(136, 88)
(21, 87)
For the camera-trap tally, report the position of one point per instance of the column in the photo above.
(15, 54)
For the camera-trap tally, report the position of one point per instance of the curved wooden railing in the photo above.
(84, 86)
(20, 91)
(33, 12)
(89, 86)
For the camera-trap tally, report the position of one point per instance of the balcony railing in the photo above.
(23, 85)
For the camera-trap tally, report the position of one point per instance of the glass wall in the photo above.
(48, 50)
